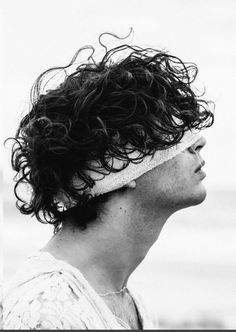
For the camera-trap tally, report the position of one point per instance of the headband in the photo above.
(112, 181)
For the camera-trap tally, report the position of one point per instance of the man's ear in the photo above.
(131, 184)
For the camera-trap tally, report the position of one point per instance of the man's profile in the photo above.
(110, 154)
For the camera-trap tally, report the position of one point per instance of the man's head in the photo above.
(136, 98)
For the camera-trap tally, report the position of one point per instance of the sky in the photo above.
(37, 35)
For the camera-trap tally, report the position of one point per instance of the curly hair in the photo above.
(92, 115)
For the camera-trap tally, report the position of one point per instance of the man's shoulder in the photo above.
(41, 299)
(46, 302)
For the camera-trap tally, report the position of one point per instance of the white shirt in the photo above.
(47, 293)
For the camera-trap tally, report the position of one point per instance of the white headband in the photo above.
(113, 181)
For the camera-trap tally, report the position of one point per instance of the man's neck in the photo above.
(108, 251)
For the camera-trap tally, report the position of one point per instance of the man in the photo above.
(110, 155)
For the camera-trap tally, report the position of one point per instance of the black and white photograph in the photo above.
(118, 201)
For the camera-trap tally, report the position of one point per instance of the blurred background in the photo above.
(189, 276)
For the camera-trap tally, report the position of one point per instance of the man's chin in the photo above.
(200, 196)
(195, 198)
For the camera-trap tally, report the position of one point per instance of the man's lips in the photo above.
(199, 167)
(199, 170)
(201, 174)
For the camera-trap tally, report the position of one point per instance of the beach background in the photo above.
(188, 278)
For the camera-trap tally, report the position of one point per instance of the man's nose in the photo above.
(198, 145)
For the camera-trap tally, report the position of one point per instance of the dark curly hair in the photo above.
(132, 95)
